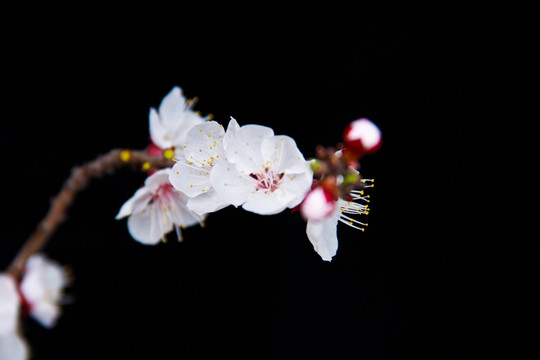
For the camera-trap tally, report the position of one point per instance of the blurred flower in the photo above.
(204, 149)
(171, 122)
(157, 208)
(42, 289)
(263, 173)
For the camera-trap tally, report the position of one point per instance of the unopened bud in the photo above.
(362, 137)
(318, 204)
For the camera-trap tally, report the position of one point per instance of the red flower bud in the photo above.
(361, 137)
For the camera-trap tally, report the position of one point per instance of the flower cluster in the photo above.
(247, 166)
(39, 294)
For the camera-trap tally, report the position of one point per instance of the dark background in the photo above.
(429, 277)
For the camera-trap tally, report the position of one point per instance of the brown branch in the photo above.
(77, 181)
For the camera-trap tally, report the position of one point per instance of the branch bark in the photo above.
(78, 181)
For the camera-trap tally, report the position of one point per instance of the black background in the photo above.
(428, 278)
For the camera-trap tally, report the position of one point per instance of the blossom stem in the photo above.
(78, 180)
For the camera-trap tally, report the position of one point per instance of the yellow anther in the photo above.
(210, 116)
(198, 113)
(146, 166)
(168, 154)
(125, 155)
(209, 135)
(200, 130)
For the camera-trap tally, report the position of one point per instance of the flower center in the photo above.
(267, 180)
(163, 192)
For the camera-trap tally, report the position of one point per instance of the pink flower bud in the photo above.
(362, 137)
(318, 204)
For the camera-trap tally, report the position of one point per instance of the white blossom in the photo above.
(42, 287)
(157, 208)
(203, 150)
(263, 173)
(323, 233)
(171, 122)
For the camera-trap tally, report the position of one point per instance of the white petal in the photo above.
(203, 144)
(282, 155)
(298, 185)
(50, 276)
(141, 197)
(206, 203)
(9, 305)
(189, 179)
(172, 106)
(232, 129)
(245, 148)
(230, 185)
(179, 212)
(323, 235)
(158, 132)
(142, 227)
(13, 347)
(184, 122)
(268, 203)
(45, 313)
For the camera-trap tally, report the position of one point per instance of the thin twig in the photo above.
(77, 181)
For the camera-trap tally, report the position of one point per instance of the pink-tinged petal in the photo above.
(157, 179)
(9, 305)
(206, 203)
(230, 185)
(281, 154)
(323, 235)
(245, 149)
